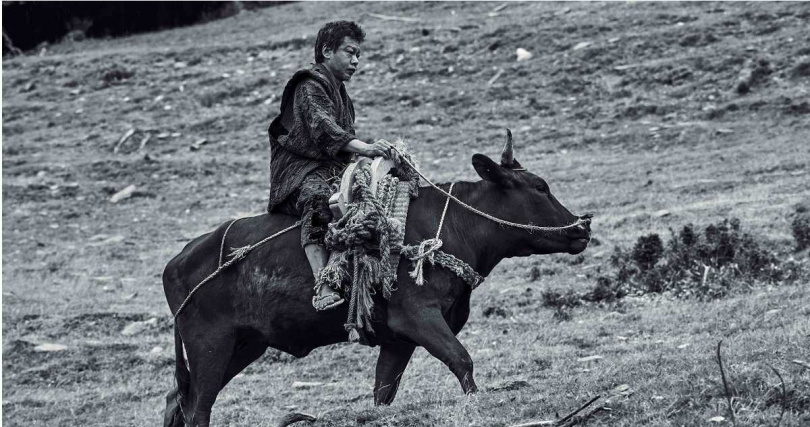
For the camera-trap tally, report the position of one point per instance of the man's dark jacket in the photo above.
(316, 121)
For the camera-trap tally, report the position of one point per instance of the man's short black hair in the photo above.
(331, 35)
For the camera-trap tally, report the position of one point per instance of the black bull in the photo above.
(265, 300)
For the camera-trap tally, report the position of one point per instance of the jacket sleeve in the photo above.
(319, 116)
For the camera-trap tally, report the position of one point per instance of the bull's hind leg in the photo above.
(427, 327)
(209, 355)
(390, 366)
(244, 353)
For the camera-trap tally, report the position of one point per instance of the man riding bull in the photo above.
(312, 140)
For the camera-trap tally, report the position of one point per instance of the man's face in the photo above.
(343, 61)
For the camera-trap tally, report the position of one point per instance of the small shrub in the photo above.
(800, 226)
(557, 299)
(647, 251)
(692, 264)
(495, 311)
(606, 290)
(116, 74)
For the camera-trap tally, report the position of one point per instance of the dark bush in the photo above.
(801, 228)
(647, 251)
(692, 264)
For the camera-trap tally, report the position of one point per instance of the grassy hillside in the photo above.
(633, 111)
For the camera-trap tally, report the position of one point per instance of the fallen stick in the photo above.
(11, 48)
(144, 141)
(392, 18)
(123, 139)
(495, 77)
(535, 424)
(563, 421)
(294, 418)
(566, 420)
(725, 385)
(784, 394)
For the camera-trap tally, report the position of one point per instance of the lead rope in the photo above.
(428, 247)
(480, 213)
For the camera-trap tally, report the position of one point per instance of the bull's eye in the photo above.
(543, 188)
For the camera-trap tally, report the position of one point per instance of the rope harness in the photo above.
(237, 254)
(427, 250)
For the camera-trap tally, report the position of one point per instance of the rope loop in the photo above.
(528, 227)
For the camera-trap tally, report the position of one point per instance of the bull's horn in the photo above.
(507, 157)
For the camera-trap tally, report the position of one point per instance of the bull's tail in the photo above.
(173, 415)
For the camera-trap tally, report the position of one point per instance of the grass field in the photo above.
(629, 110)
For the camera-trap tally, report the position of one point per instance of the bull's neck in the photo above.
(479, 242)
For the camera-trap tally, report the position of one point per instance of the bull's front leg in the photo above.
(427, 327)
(390, 366)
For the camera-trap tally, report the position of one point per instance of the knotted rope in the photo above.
(427, 248)
(360, 241)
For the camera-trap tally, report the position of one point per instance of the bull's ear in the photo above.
(488, 170)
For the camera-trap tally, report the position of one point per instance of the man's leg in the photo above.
(325, 297)
(313, 202)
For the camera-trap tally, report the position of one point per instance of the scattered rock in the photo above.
(116, 74)
(623, 388)
(801, 69)
(495, 311)
(562, 11)
(106, 241)
(751, 74)
(306, 385)
(198, 144)
(50, 347)
(123, 194)
(590, 358)
(156, 350)
(510, 385)
(717, 419)
(581, 45)
(522, 54)
(662, 213)
(135, 328)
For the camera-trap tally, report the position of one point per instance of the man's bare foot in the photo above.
(326, 299)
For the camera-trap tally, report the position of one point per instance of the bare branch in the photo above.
(784, 393)
(725, 385)
(123, 139)
(12, 49)
(392, 18)
(294, 418)
(569, 416)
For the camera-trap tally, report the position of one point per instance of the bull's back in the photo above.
(201, 257)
